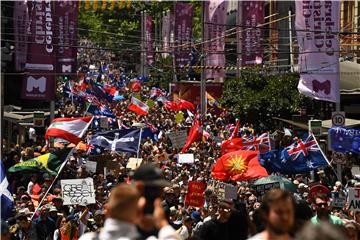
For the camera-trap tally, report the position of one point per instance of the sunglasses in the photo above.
(322, 204)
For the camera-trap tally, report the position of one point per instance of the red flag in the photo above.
(138, 107)
(241, 165)
(171, 106)
(195, 134)
(183, 104)
(236, 130)
(135, 86)
(231, 145)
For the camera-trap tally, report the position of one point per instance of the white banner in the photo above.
(178, 139)
(78, 191)
(317, 24)
(91, 166)
(354, 199)
(186, 158)
(134, 163)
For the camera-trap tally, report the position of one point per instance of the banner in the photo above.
(252, 38)
(215, 26)
(354, 199)
(166, 28)
(134, 163)
(91, 166)
(183, 33)
(195, 195)
(186, 158)
(148, 40)
(21, 22)
(78, 191)
(39, 83)
(178, 139)
(317, 24)
(66, 36)
(344, 140)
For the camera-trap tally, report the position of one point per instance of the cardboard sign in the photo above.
(186, 158)
(78, 191)
(91, 166)
(354, 199)
(178, 139)
(262, 189)
(195, 195)
(337, 200)
(222, 190)
(134, 163)
(230, 192)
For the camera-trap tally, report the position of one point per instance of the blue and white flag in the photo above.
(300, 157)
(7, 201)
(126, 140)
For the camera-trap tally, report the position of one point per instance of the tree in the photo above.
(258, 96)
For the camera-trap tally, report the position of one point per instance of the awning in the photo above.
(22, 117)
(349, 78)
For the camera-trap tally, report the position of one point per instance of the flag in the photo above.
(344, 140)
(231, 145)
(49, 162)
(264, 144)
(212, 101)
(235, 132)
(138, 107)
(300, 157)
(7, 201)
(126, 140)
(195, 134)
(185, 105)
(171, 105)
(156, 92)
(135, 86)
(103, 110)
(70, 129)
(241, 165)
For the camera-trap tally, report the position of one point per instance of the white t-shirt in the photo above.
(32, 134)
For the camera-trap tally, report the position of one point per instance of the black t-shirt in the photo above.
(235, 228)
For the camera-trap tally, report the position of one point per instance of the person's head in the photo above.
(351, 231)
(57, 202)
(321, 206)
(53, 212)
(44, 213)
(225, 210)
(323, 231)
(23, 221)
(123, 203)
(5, 233)
(278, 211)
(188, 221)
(99, 218)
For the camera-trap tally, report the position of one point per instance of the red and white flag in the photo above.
(70, 129)
(138, 107)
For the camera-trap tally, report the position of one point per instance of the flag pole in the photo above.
(61, 168)
(138, 151)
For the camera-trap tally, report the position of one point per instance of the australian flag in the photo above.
(345, 140)
(101, 110)
(7, 201)
(302, 156)
(126, 140)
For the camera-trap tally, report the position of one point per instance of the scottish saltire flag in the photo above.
(126, 140)
(300, 157)
(7, 201)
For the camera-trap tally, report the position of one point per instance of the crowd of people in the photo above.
(149, 202)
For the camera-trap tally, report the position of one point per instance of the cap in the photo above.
(168, 190)
(25, 211)
(196, 215)
(302, 185)
(321, 172)
(53, 209)
(296, 182)
(151, 175)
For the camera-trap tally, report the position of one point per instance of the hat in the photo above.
(168, 190)
(296, 182)
(151, 175)
(302, 185)
(23, 197)
(53, 209)
(196, 215)
(25, 211)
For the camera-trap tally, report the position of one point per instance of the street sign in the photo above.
(315, 127)
(39, 118)
(338, 119)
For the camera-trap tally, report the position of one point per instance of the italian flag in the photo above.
(70, 129)
(138, 107)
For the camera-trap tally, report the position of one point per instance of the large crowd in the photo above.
(123, 209)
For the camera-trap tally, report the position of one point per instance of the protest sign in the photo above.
(222, 190)
(261, 189)
(91, 166)
(134, 163)
(78, 191)
(230, 192)
(195, 195)
(186, 158)
(104, 122)
(337, 200)
(354, 199)
(178, 139)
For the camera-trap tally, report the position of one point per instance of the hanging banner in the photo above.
(21, 21)
(165, 31)
(183, 33)
(66, 36)
(252, 37)
(148, 40)
(215, 26)
(39, 83)
(317, 24)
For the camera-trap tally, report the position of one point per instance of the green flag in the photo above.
(49, 162)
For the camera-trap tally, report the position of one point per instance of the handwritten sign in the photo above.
(195, 195)
(337, 200)
(261, 189)
(354, 199)
(178, 139)
(222, 190)
(230, 192)
(91, 166)
(186, 158)
(78, 191)
(134, 163)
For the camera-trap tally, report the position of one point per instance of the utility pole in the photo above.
(203, 76)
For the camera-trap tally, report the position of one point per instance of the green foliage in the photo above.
(257, 97)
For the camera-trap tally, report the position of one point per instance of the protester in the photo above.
(321, 206)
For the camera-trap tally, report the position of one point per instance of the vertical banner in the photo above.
(195, 195)
(148, 40)
(166, 25)
(183, 33)
(252, 37)
(317, 24)
(21, 21)
(66, 36)
(215, 26)
(39, 83)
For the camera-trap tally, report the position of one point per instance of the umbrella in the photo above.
(284, 182)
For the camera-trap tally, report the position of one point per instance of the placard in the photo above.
(261, 189)
(222, 190)
(104, 122)
(91, 166)
(195, 195)
(186, 158)
(337, 200)
(134, 163)
(354, 199)
(78, 191)
(230, 192)
(178, 139)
